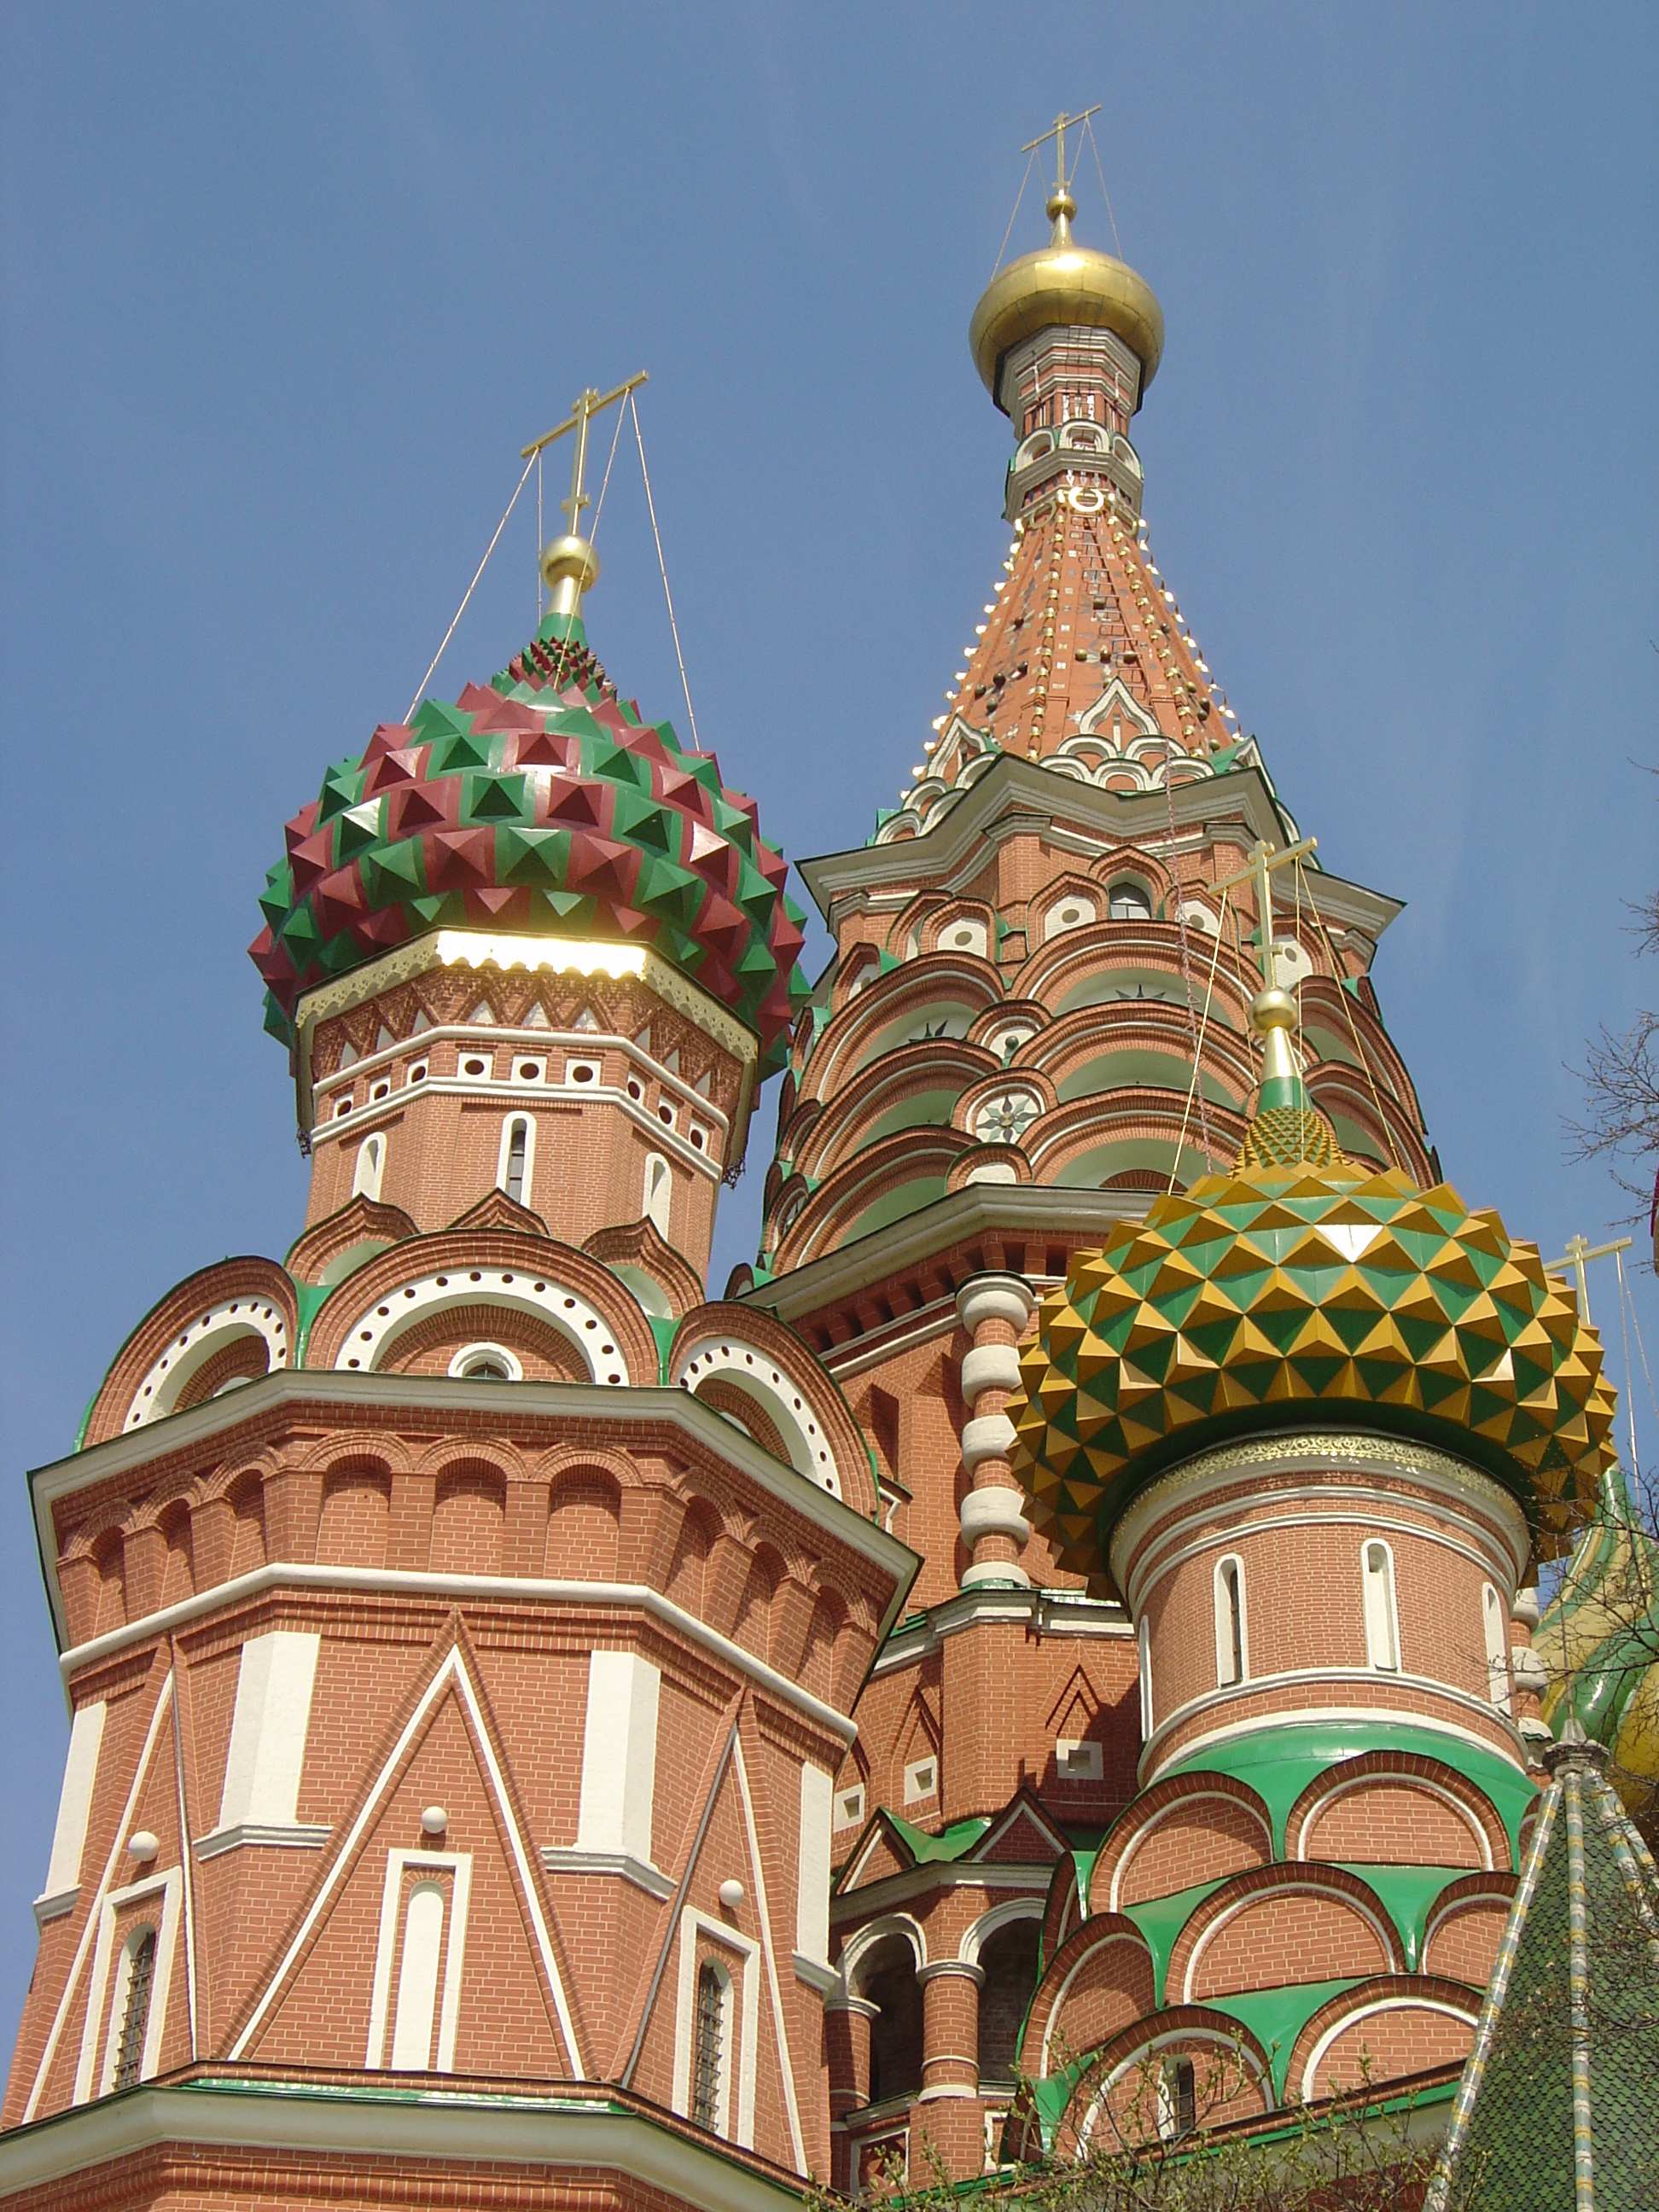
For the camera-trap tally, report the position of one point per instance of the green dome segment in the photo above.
(1264, 1295)
(544, 805)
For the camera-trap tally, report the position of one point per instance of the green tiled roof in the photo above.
(1557, 2111)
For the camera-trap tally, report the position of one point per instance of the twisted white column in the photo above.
(993, 1310)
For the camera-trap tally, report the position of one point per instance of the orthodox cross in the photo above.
(1264, 858)
(588, 404)
(1062, 123)
(1578, 1254)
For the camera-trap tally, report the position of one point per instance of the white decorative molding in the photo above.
(375, 1330)
(166, 1887)
(290, 1836)
(54, 1904)
(458, 1867)
(566, 1858)
(994, 1298)
(988, 1436)
(995, 1511)
(990, 1367)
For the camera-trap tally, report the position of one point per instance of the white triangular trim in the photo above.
(164, 1699)
(452, 1666)
(1117, 698)
(1022, 1809)
(797, 2144)
(878, 1830)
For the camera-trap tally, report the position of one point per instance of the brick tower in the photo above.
(462, 1619)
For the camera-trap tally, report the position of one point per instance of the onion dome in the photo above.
(1302, 1285)
(1064, 285)
(540, 804)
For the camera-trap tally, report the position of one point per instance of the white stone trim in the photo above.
(452, 1670)
(997, 1915)
(74, 1808)
(564, 1858)
(440, 2126)
(269, 1721)
(123, 1828)
(990, 1367)
(995, 1511)
(994, 1298)
(779, 2026)
(1470, 1498)
(1399, 1781)
(303, 1575)
(692, 1924)
(1393, 1948)
(196, 1343)
(1136, 1941)
(1172, 1811)
(988, 1436)
(1367, 2012)
(459, 1866)
(293, 1835)
(776, 1392)
(522, 1290)
(1374, 1717)
(168, 1887)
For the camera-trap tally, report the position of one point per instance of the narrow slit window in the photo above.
(659, 1192)
(1144, 1645)
(1177, 2100)
(135, 2018)
(1497, 1647)
(1230, 1622)
(517, 1145)
(371, 1165)
(710, 2055)
(1382, 1628)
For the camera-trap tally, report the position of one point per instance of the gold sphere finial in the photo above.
(1061, 208)
(569, 567)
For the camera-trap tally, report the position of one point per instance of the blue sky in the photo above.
(283, 291)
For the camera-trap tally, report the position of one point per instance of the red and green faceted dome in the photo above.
(540, 804)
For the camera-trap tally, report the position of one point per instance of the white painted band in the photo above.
(989, 1367)
(990, 1437)
(994, 1512)
(994, 1298)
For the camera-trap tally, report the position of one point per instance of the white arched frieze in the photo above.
(773, 1392)
(202, 1340)
(376, 1331)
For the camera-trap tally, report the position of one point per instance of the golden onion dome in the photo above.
(1065, 284)
(1304, 1288)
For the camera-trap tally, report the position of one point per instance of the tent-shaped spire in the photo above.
(1556, 2106)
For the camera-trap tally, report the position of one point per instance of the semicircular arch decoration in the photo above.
(753, 1370)
(229, 1323)
(372, 1338)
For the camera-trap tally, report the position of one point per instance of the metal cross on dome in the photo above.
(1061, 123)
(1264, 858)
(587, 405)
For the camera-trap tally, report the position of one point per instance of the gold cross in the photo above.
(1062, 124)
(1578, 1252)
(587, 404)
(1264, 858)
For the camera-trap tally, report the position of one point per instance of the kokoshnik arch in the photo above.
(1064, 1613)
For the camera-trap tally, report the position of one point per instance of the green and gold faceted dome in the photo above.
(1302, 1289)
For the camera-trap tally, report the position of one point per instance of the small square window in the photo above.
(380, 1090)
(665, 1113)
(699, 1137)
(1078, 1760)
(417, 1072)
(581, 1070)
(342, 1107)
(476, 1064)
(921, 1780)
(850, 1806)
(529, 1071)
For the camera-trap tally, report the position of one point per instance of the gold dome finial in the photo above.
(1064, 284)
(569, 565)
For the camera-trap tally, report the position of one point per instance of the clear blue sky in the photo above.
(283, 291)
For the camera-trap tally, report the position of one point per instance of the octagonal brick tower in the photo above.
(462, 1617)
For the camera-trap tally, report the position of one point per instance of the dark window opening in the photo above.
(1009, 1960)
(889, 1984)
(711, 2029)
(516, 1146)
(134, 2020)
(1177, 2099)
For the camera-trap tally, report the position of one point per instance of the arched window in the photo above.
(1177, 2099)
(1127, 901)
(487, 1363)
(514, 1174)
(1144, 1645)
(1230, 1659)
(371, 1165)
(659, 1192)
(1382, 1623)
(1008, 1958)
(417, 1983)
(1497, 1646)
(888, 1981)
(139, 1958)
(708, 2060)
